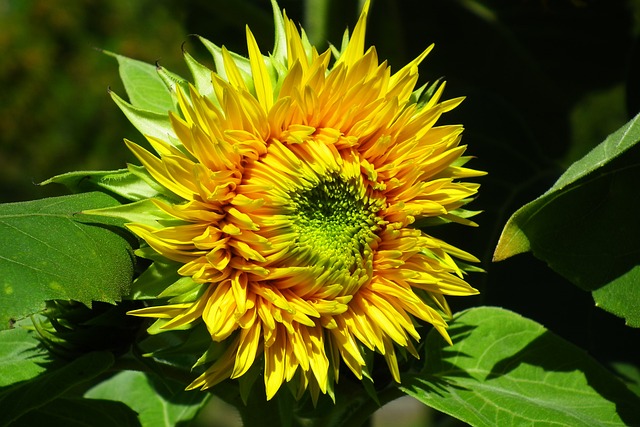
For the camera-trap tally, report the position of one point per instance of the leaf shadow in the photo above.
(58, 377)
(441, 372)
(442, 385)
(553, 354)
(174, 393)
(458, 332)
(110, 225)
(42, 356)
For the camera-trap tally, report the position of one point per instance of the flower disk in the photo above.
(299, 182)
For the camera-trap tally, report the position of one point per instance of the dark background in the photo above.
(544, 82)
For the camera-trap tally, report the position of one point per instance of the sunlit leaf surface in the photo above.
(46, 253)
(506, 370)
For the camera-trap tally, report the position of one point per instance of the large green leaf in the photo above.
(21, 398)
(159, 402)
(46, 253)
(585, 226)
(506, 370)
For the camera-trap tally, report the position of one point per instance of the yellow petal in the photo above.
(261, 79)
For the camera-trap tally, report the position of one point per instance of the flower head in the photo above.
(297, 185)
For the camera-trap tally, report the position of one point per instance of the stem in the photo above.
(260, 413)
(316, 16)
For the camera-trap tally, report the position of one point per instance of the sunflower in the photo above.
(298, 183)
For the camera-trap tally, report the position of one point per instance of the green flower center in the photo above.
(335, 223)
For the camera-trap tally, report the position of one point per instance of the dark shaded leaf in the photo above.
(19, 399)
(582, 226)
(80, 413)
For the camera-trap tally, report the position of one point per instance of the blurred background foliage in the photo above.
(545, 80)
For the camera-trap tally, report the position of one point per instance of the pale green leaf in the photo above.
(145, 88)
(47, 253)
(201, 76)
(173, 81)
(506, 370)
(280, 43)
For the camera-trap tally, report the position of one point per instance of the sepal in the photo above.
(146, 89)
(70, 329)
(201, 77)
(147, 122)
(125, 183)
(141, 212)
(240, 61)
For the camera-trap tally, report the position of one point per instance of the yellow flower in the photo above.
(300, 182)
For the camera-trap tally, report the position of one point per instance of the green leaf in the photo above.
(159, 402)
(582, 226)
(80, 413)
(20, 399)
(145, 88)
(46, 253)
(22, 357)
(155, 279)
(504, 369)
(178, 350)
